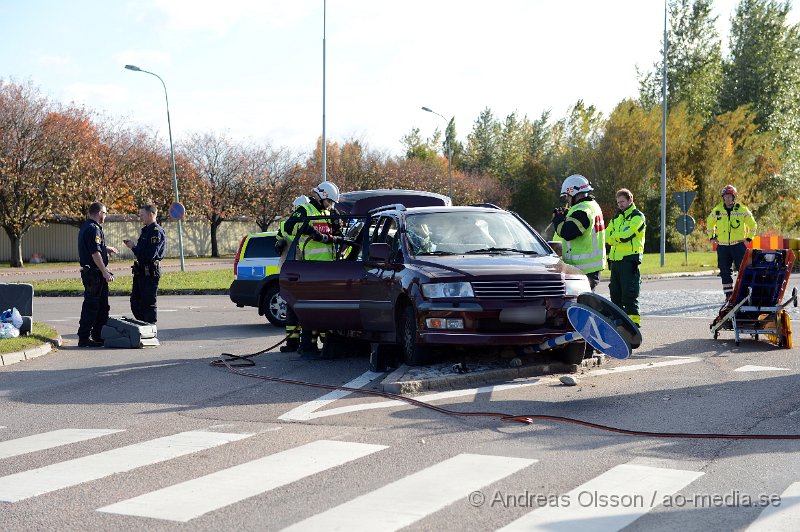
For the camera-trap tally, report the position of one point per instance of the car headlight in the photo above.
(576, 287)
(441, 290)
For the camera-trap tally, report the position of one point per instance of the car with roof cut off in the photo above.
(425, 277)
(255, 265)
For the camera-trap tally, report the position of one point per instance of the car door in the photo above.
(377, 294)
(325, 295)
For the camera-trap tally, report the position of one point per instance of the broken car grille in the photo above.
(518, 289)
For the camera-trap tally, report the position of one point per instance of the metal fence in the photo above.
(59, 242)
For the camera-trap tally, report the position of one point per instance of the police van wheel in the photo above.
(414, 354)
(273, 306)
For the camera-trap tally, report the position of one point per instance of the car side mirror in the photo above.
(379, 252)
(557, 247)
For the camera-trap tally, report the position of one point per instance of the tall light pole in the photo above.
(172, 153)
(324, 142)
(664, 143)
(449, 149)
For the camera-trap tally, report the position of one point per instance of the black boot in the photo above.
(290, 346)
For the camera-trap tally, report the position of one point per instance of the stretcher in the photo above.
(755, 307)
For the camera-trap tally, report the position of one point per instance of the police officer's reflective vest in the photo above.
(625, 234)
(310, 249)
(588, 251)
(730, 228)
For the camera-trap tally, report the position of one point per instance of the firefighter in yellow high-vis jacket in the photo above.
(730, 225)
(625, 234)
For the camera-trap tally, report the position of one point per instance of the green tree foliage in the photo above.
(481, 151)
(418, 148)
(764, 70)
(694, 61)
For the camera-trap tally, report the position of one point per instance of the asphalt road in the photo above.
(157, 439)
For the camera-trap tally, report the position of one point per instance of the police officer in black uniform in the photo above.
(93, 254)
(149, 251)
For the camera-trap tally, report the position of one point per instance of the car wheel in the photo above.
(414, 354)
(572, 353)
(274, 306)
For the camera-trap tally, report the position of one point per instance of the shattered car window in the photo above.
(439, 233)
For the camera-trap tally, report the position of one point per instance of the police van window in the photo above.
(260, 246)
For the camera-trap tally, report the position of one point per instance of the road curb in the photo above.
(7, 359)
(396, 384)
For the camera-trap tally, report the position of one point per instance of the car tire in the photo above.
(414, 354)
(273, 306)
(572, 353)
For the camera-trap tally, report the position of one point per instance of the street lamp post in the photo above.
(172, 153)
(449, 149)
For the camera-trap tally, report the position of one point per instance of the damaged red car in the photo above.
(434, 275)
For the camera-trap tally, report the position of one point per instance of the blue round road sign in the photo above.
(177, 210)
(598, 331)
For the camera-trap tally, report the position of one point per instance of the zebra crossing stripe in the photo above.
(783, 517)
(303, 412)
(637, 489)
(35, 482)
(409, 499)
(48, 440)
(199, 496)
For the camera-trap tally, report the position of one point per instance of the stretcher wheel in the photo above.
(716, 335)
(785, 325)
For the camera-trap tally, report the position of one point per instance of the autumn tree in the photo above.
(40, 148)
(273, 179)
(219, 165)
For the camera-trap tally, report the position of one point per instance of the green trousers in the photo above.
(624, 285)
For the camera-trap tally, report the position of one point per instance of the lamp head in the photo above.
(424, 108)
(133, 67)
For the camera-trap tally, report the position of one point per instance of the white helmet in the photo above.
(300, 200)
(575, 184)
(327, 190)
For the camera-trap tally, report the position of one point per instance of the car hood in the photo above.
(507, 266)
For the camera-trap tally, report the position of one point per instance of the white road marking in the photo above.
(35, 482)
(637, 488)
(187, 500)
(409, 499)
(301, 413)
(678, 317)
(48, 440)
(137, 368)
(390, 403)
(786, 516)
(760, 368)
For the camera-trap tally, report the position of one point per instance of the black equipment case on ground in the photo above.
(129, 333)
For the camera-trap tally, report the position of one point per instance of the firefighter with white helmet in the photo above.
(730, 226)
(283, 240)
(581, 228)
(317, 242)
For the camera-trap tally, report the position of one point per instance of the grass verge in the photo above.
(41, 333)
(171, 283)
(676, 262)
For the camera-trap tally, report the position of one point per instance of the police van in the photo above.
(255, 277)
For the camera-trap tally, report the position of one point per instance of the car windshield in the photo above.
(461, 232)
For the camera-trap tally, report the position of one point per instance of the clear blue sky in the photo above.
(253, 68)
